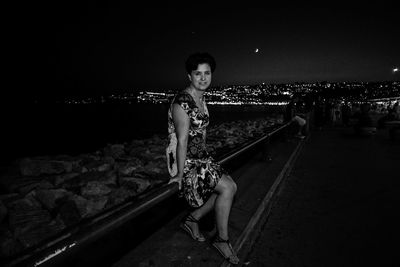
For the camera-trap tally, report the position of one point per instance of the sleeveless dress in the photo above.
(201, 173)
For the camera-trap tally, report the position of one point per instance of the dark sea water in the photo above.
(38, 130)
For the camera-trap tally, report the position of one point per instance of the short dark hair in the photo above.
(193, 61)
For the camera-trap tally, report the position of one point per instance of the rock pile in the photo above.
(45, 195)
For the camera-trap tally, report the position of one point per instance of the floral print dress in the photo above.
(201, 173)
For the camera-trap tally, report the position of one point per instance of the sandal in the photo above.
(233, 259)
(188, 229)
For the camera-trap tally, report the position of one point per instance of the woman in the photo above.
(204, 183)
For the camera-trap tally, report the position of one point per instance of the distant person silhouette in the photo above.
(364, 125)
(319, 113)
(396, 111)
(296, 114)
(346, 113)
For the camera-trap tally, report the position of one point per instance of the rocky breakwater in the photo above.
(42, 196)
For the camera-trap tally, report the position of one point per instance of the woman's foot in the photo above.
(225, 248)
(191, 226)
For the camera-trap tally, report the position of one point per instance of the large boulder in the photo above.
(95, 189)
(52, 198)
(137, 185)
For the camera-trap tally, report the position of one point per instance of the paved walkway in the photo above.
(339, 207)
(170, 246)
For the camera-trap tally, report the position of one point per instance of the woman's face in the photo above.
(201, 78)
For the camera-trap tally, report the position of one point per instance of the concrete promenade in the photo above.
(337, 205)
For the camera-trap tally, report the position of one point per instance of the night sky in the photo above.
(93, 49)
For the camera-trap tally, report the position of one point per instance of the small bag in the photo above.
(171, 155)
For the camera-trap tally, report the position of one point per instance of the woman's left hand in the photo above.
(176, 179)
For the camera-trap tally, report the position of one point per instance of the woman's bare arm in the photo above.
(182, 123)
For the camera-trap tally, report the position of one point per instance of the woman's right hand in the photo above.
(176, 179)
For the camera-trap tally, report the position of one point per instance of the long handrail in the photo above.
(236, 153)
(113, 218)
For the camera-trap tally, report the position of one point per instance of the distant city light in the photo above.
(256, 51)
(395, 70)
(256, 94)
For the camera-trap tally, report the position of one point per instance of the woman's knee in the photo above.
(233, 185)
(227, 185)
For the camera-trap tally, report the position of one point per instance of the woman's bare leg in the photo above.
(200, 212)
(221, 202)
(206, 208)
(226, 189)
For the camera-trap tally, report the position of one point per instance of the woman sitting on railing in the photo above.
(205, 185)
